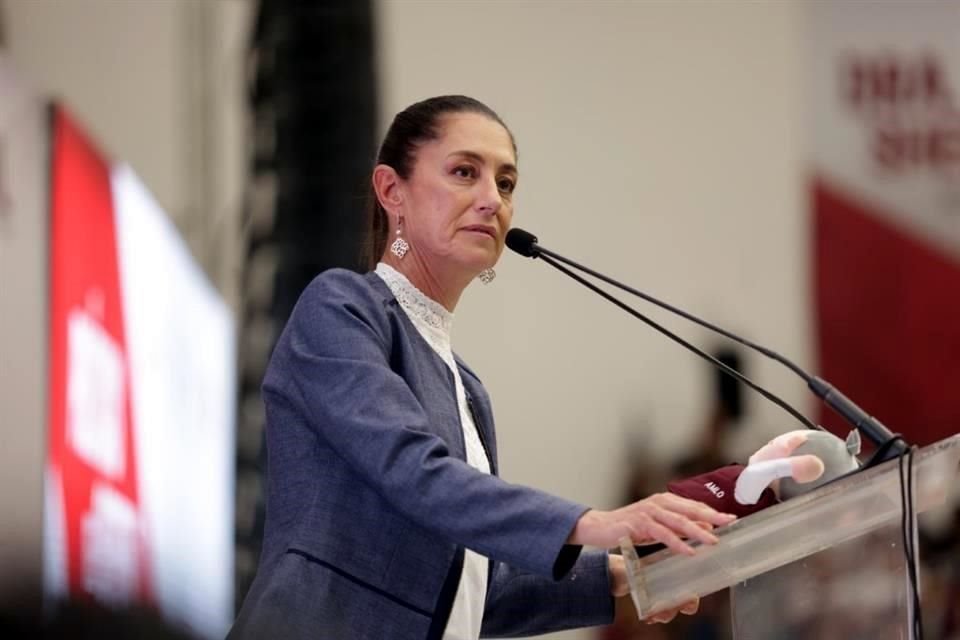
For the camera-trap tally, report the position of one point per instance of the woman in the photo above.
(385, 515)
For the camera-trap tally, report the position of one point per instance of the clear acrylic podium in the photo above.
(827, 564)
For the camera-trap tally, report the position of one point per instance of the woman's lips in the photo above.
(489, 231)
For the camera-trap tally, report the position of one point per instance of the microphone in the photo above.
(523, 242)
(888, 445)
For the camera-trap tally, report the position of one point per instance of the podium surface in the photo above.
(843, 539)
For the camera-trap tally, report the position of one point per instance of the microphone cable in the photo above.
(908, 522)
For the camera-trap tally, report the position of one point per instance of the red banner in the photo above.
(91, 445)
(886, 206)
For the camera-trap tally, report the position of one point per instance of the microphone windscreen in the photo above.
(523, 242)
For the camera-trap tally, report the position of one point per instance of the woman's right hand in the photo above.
(662, 517)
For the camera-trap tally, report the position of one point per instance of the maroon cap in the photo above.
(715, 489)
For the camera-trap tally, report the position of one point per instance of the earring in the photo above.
(400, 246)
(487, 275)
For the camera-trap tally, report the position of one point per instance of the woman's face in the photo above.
(458, 200)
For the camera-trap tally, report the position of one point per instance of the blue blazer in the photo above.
(370, 502)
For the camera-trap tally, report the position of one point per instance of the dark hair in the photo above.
(729, 389)
(418, 123)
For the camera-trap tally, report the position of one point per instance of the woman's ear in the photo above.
(386, 184)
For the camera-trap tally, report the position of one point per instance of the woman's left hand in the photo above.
(620, 586)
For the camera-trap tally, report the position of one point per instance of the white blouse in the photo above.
(435, 323)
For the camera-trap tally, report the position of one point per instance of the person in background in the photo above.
(710, 451)
(386, 517)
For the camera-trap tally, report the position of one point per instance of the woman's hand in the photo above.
(687, 609)
(620, 586)
(663, 517)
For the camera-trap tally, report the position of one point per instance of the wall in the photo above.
(159, 84)
(23, 313)
(659, 142)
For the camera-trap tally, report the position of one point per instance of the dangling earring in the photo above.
(487, 275)
(400, 246)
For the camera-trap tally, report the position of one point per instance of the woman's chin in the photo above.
(477, 261)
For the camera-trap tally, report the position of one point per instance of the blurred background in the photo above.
(174, 172)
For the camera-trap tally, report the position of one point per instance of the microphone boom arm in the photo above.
(889, 445)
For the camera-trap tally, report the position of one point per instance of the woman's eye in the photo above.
(464, 171)
(506, 185)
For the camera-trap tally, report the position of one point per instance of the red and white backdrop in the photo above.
(886, 210)
(139, 472)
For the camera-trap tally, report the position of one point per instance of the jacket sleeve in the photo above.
(523, 604)
(332, 364)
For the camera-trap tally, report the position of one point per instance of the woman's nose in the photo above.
(489, 201)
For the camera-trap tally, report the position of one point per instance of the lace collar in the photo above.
(415, 302)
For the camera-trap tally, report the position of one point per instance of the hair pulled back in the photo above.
(415, 125)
